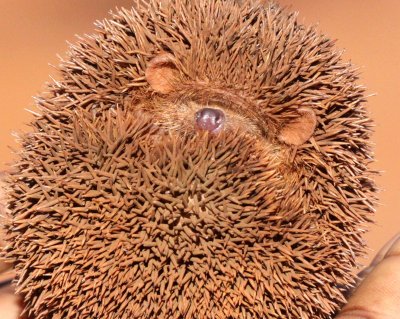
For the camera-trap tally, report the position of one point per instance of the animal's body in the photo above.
(201, 159)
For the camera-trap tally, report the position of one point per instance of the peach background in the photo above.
(32, 32)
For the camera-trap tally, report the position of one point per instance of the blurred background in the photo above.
(33, 32)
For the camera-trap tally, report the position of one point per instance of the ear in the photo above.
(162, 73)
(299, 130)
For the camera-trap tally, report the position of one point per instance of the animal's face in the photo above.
(187, 115)
(190, 106)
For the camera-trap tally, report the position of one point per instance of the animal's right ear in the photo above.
(299, 130)
(162, 73)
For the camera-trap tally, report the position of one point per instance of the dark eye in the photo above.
(210, 119)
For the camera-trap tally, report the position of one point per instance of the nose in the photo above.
(209, 119)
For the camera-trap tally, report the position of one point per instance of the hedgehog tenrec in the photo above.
(195, 159)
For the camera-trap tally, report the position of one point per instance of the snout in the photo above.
(209, 119)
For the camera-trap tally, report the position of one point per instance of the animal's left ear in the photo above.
(162, 73)
(300, 129)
